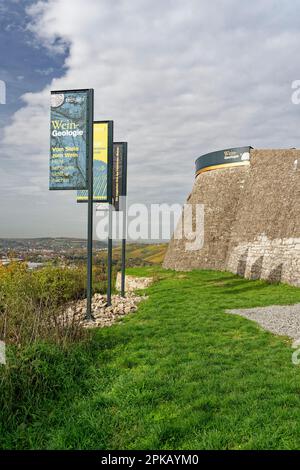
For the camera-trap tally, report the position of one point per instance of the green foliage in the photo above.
(179, 374)
(30, 302)
(57, 286)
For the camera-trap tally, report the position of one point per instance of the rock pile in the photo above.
(104, 315)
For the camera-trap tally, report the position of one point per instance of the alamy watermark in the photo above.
(296, 354)
(2, 353)
(154, 222)
(2, 92)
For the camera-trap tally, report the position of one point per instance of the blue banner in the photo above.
(70, 128)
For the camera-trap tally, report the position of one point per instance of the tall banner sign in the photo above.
(102, 157)
(119, 187)
(70, 131)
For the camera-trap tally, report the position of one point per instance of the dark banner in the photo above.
(119, 187)
(102, 159)
(223, 158)
(69, 136)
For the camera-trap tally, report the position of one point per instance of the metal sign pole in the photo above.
(109, 255)
(123, 269)
(89, 315)
(124, 209)
(110, 202)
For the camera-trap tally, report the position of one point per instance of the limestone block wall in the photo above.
(252, 219)
(265, 238)
(275, 260)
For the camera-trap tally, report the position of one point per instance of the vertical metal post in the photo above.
(123, 267)
(89, 314)
(109, 255)
(124, 209)
(110, 201)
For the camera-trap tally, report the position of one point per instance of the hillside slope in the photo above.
(180, 373)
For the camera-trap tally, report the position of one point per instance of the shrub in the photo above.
(31, 301)
(46, 359)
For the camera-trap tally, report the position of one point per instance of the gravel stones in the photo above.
(281, 320)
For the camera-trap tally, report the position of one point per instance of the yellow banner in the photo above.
(100, 159)
(101, 141)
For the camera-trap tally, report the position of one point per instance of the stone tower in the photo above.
(251, 215)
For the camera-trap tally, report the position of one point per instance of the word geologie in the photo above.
(64, 129)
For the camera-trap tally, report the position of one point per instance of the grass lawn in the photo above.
(179, 374)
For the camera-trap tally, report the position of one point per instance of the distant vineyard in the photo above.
(138, 254)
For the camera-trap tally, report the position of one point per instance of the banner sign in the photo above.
(103, 148)
(223, 159)
(69, 137)
(119, 186)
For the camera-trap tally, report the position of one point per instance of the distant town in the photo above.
(71, 252)
(39, 251)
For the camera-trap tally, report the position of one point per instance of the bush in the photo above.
(56, 286)
(46, 359)
(31, 301)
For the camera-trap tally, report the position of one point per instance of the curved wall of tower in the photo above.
(251, 219)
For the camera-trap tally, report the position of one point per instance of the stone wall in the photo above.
(252, 219)
(219, 191)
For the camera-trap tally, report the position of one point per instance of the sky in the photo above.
(179, 79)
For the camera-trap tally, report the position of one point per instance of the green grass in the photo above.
(179, 374)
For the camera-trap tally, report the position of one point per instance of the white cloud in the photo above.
(178, 78)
